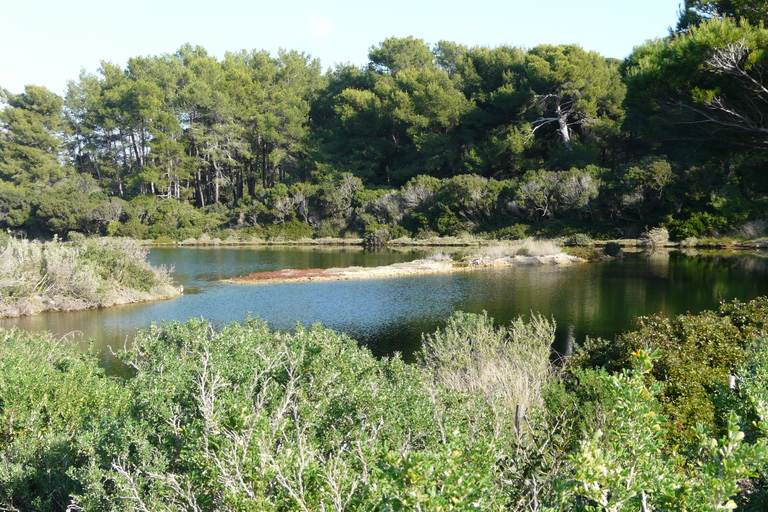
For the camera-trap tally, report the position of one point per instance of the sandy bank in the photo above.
(38, 303)
(418, 267)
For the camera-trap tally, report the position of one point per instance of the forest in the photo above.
(424, 140)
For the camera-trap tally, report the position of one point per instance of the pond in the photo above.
(389, 315)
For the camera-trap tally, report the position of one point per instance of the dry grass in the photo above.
(35, 276)
(527, 247)
(508, 366)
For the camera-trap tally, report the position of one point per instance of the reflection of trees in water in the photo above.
(752, 263)
(748, 261)
(658, 262)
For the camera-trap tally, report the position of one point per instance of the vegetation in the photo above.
(82, 273)
(245, 418)
(502, 142)
(499, 143)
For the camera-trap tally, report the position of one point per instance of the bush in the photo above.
(245, 418)
(696, 352)
(257, 420)
(377, 238)
(513, 232)
(585, 253)
(509, 364)
(612, 249)
(50, 394)
(580, 239)
(656, 237)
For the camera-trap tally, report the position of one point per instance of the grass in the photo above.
(37, 276)
(508, 366)
(528, 247)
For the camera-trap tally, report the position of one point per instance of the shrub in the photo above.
(377, 238)
(612, 249)
(656, 237)
(245, 418)
(258, 420)
(691, 241)
(715, 241)
(585, 253)
(696, 352)
(163, 240)
(699, 224)
(752, 229)
(508, 365)
(50, 394)
(538, 248)
(513, 232)
(580, 239)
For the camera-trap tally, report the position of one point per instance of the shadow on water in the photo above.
(597, 299)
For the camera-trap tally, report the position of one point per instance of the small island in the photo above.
(510, 255)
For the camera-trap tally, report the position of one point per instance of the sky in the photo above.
(49, 42)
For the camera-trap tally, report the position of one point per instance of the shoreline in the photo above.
(38, 304)
(629, 243)
(417, 267)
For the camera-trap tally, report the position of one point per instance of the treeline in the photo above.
(246, 418)
(671, 136)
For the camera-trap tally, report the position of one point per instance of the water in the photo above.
(389, 315)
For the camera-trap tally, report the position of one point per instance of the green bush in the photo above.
(612, 249)
(579, 239)
(50, 394)
(697, 352)
(513, 232)
(698, 224)
(257, 420)
(585, 253)
(245, 418)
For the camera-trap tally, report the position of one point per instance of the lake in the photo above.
(389, 315)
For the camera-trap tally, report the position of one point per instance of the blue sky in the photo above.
(48, 42)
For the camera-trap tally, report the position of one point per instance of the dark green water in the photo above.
(388, 315)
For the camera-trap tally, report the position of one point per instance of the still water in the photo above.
(388, 315)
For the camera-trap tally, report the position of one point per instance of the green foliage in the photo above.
(628, 468)
(513, 232)
(31, 124)
(696, 353)
(693, 12)
(580, 239)
(585, 253)
(49, 394)
(245, 418)
(697, 225)
(311, 412)
(612, 249)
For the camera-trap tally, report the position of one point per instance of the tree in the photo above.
(31, 130)
(694, 12)
(572, 88)
(397, 54)
(705, 87)
(401, 119)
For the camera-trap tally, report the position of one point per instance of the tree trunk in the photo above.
(562, 120)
